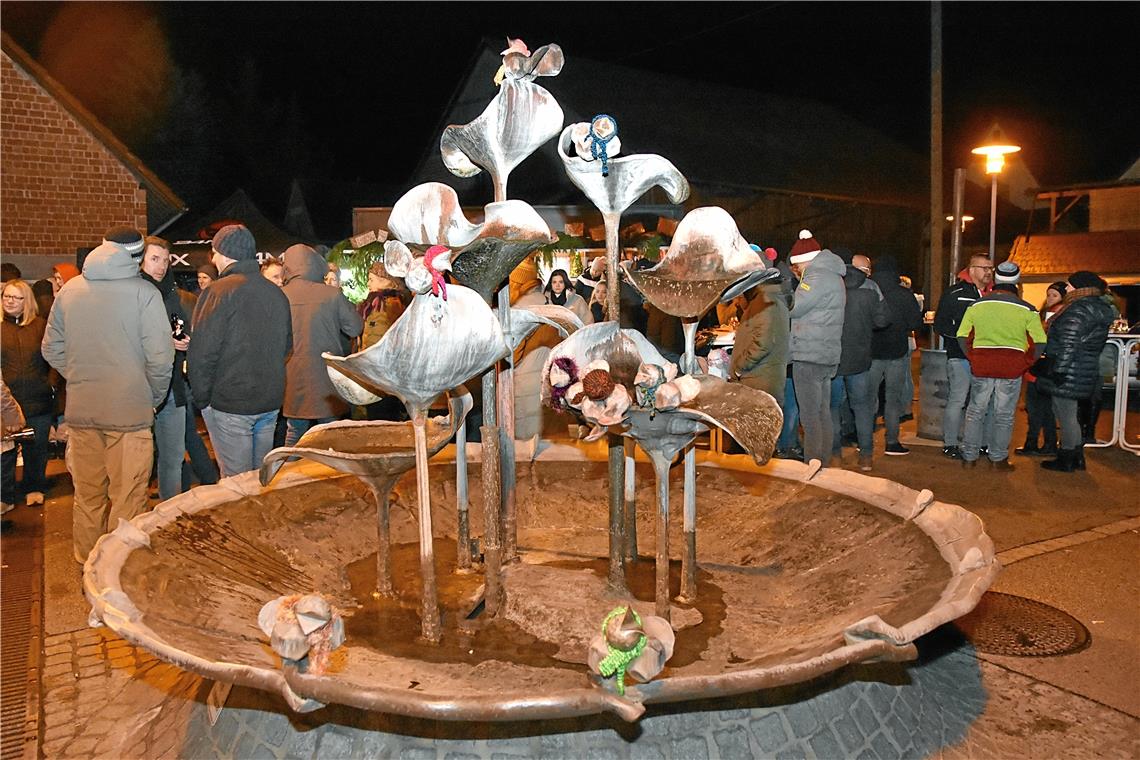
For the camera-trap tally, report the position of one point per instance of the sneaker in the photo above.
(1002, 465)
(33, 498)
(951, 452)
(865, 464)
(1028, 451)
(983, 451)
(896, 450)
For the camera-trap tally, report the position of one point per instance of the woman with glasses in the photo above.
(27, 375)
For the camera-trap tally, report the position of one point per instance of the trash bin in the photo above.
(933, 390)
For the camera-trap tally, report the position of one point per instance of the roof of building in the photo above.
(1106, 253)
(238, 208)
(718, 136)
(166, 203)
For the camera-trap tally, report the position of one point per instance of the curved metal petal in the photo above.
(367, 449)
(630, 177)
(510, 232)
(707, 256)
(430, 214)
(751, 416)
(547, 61)
(434, 346)
(625, 350)
(515, 124)
(527, 319)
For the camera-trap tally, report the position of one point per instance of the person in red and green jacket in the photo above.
(1001, 335)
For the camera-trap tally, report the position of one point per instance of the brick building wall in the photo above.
(60, 188)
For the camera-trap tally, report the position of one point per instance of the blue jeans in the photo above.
(1002, 394)
(894, 371)
(296, 427)
(790, 432)
(240, 441)
(855, 390)
(958, 379)
(170, 441)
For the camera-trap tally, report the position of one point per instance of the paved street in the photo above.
(1068, 541)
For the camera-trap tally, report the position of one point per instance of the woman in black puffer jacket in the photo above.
(1076, 337)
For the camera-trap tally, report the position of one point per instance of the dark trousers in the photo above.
(200, 465)
(1039, 409)
(8, 476)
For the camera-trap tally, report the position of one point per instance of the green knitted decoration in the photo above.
(616, 660)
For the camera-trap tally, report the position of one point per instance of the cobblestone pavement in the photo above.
(105, 698)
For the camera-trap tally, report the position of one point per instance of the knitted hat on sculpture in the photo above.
(1086, 279)
(127, 238)
(804, 249)
(1007, 273)
(235, 241)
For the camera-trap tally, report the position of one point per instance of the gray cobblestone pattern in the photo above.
(106, 699)
(895, 713)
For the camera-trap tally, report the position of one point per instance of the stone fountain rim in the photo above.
(959, 535)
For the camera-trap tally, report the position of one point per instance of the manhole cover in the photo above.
(1019, 627)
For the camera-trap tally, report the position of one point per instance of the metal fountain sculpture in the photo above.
(196, 611)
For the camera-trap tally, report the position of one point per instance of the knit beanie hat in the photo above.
(209, 270)
(1060, 286)
(127, 238)
(1086, 279)
(66, 270)
(235, 241)
(1007, 273)
(804, 249)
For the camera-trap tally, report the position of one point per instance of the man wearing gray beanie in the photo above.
(242, 336)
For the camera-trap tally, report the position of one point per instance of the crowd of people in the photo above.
(125, 361)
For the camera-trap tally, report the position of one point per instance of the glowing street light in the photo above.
(966, 218)
(995, 154)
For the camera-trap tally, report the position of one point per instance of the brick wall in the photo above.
(60, 188)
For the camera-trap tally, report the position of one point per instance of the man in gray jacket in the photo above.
(109, 336)
(816, 339)
(321, 315)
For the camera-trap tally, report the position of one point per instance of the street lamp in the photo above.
(966, 218)
(995, 159)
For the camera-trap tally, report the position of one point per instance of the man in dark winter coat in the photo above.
(321, 315)
(816, 332)
(1076, 337)
(890, 349)
(863, 314)
(109, 336)
(242, 336)
(973, 282)
(1001, 335)
(170, 417)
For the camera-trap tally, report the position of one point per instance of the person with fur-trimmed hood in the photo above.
(109, 336)
(816, 339)
(321, 315)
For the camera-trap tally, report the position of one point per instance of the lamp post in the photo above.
(995, 160)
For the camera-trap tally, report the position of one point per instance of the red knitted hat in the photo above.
(805, 249)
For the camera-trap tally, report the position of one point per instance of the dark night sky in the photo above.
(370, 81)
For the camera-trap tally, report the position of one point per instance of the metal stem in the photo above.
(616, 453)
(613, 277)
(630, 503)
(463, 526)
(661, 593)
(383, 538)
(492, 547)
(689, 525)
(506, 399)
(429, 620)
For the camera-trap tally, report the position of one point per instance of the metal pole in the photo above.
(993, 215)
(956, 231)
(934, 282)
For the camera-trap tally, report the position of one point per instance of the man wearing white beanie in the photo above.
(1001, 335)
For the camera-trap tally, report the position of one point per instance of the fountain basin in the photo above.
(802, 571)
